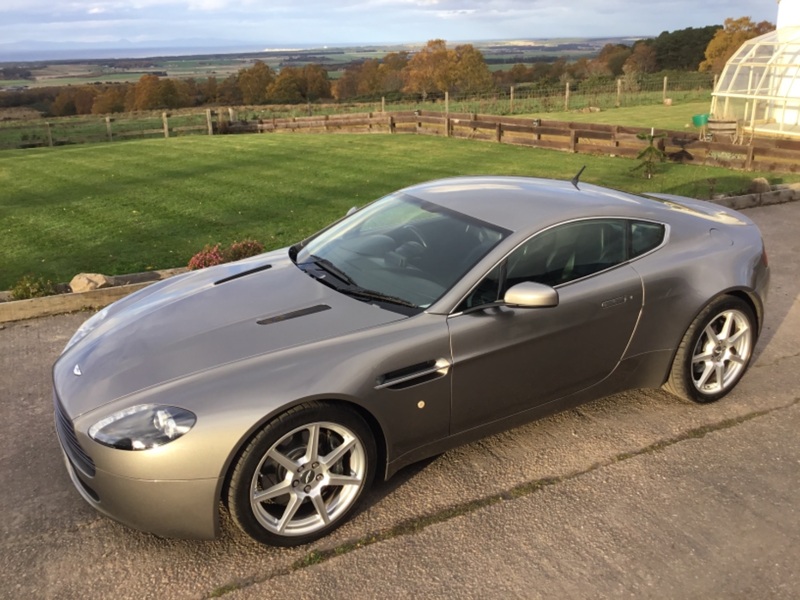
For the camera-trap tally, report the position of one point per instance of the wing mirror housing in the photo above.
(531, 295)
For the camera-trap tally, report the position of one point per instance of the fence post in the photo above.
(391, 125)
(447, 103)
(748, 163)
(108, 129)
(573, 141)
(664, 93)
(49, 134)
(511, 101)
(566, 98)
(448, 127)
(165, 124)
(209, 123)
(619, 92)
(231, 114)
(498, 132)
(383, 104)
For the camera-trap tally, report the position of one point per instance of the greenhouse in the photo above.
(759, 89)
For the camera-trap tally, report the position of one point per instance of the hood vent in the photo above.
(243, 274)
(303, 312)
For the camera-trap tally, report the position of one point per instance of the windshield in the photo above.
(399, 250)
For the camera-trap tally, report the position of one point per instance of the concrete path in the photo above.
(637, 495)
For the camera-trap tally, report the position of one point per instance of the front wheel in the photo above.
(715, 351)
(302, 474)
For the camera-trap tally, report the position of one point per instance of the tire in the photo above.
(715, 351)
(286, 490)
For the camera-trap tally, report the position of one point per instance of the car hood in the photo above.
(203, 320)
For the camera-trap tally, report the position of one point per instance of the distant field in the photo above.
(121, 208)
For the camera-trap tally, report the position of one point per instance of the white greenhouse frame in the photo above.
(759, 88)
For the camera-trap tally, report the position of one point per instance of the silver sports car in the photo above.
(444, 312)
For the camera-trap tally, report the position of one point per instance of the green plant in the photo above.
(32, 287)
(651, 155)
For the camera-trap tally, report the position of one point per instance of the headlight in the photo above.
(142, 427)
(84, 329)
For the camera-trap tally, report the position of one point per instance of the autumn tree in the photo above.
(437, 69)
(314, 83)
(372, 77)
(73, 101)
(428, 70)
(110, 100)
(391, 71)
(295, 84)
(470, 73)
(611, 59)
(146, 94)
(729, 39)
(642, 60)
(228, 92)
(254, 81)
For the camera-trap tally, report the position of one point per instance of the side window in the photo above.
(559, 255)
(569, 252)
(645, 236)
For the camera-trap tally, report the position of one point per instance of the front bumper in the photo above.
(167, 508)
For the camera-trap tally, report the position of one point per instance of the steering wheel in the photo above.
(416, 235)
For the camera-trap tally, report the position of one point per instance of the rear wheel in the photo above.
(715, 351)
(302, 475)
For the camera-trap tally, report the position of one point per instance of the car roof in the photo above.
(522, 203)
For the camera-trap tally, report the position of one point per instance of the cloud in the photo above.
(289, 22)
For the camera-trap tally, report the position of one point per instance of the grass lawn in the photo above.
(139, 205)
(675, 118)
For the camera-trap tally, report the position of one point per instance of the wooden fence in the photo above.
(687, 146)
(758, 154)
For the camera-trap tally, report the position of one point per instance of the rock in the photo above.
(759, 185)
(86, 282)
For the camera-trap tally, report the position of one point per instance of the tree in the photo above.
(314, 83)
(391, 71)
(286, 87)
(470, 73)
(253, 83)
(428, 71)
(611, 59)
(683, 49)
(146, 93)
(110, 100)
(641, 60)
(729, 39)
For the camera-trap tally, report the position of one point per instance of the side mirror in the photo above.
(531, 295)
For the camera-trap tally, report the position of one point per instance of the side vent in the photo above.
(303, 312)
(413, 375)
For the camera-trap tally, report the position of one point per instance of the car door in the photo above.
(508, 359)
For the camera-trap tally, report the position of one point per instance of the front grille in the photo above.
(66, 433)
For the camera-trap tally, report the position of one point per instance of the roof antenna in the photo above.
(576, 179)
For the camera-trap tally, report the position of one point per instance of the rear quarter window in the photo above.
(645, 236)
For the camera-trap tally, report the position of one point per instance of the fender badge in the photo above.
(77, 370)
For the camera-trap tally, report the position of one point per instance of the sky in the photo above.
(260, 24)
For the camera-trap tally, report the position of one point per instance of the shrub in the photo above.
(207, 257)
(32, 287)
(243, 249)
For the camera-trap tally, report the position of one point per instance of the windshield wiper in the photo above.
(329, 267)
(352, 288)
(361, 293)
